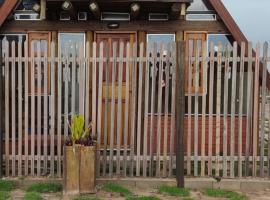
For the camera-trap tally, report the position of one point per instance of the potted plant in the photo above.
(79, 158)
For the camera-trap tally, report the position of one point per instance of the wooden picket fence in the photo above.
(127, 92)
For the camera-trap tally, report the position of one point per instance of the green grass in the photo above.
(45, 188)
(111, 187)
(4, 195)
(142, 198)
(86, 198)
(174, 191)
(224, 194)
(32, 196)
(6, 185)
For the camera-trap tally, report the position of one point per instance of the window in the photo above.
(223, 39)
(71, 44)
(199, 11)
(159, 40)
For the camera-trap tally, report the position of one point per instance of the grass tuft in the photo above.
(86, 198)
(111, 187)
(32, 196)
(224, 194)
(142, 198)
(4, 195)
(6, 185)
(45, 188)
(174, 191)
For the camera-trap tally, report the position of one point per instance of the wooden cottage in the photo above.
(113, 61)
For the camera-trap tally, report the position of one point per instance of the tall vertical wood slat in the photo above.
(263, 107)
(52, 109)
(106, 113)
(94, 88)
(173, 57)
(233, 101)
(225, 110)
(153, 99)
(249, 108)
(7, 164)
(146, 111)
(204, 70)
(112, 109)
(139, 114)
(256, 111)
(66, 79)
(87, 84)
(20, 118)
(26, 109)
(211, 96)
(33, 130)
(59, 113)
(39, 95)
(73, 79)
(190, 67)
(166, 109)
(81, 79)
(197, 49)
(240, 112)
(159, 108)
(218, 108)
(133, 108)
(99, 110)
(126, 123)
(119, 106)
(45, 109)
(13, 101)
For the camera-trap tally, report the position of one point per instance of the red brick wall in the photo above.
(154, 138)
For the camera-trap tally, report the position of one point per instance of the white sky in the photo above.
(253, 17)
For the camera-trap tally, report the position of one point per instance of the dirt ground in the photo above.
(196, 195)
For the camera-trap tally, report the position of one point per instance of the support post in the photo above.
(1, 109)
(180, 113)
(43, 8)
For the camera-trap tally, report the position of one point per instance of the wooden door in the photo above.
(194, 43)
(44, 38)
(109, 39)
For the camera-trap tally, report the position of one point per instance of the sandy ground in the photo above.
(196, 195)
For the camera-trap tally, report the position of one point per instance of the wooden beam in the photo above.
(94, 8)
(1, 107)
(134, 10)
(43, 7)
(36, 7)
(67, 6)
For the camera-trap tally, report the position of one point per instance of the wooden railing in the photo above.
(127, 91)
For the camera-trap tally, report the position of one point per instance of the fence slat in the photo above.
(20, 131)
(119, 106)
(256, 111)
(52, 109)
(46, 68)
(126, 123)
(26, 109)
(87, 84)
(6, 44)
(249, 108)
(33, 130)
(81, 79)
(145, 126)
(153, 99)
(113, 108)
(218, 109)
(99, 109)
(139, 115)
(204, 82)
(66, 81)
(211, 96)
(94, 88)
(59, 113)
(263, 107)
(240, 112)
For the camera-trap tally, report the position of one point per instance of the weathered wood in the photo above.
(94, 88)
(256, 111)
(13, 100)
(139, 114)
(66, 80)
(7, 121)
(263, 107)
(94, 8)
(240, 112)
(43, 8)
(1, 107)
(180, 113)
(99, 109)
(134, 10)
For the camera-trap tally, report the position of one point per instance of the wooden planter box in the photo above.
(79, 169)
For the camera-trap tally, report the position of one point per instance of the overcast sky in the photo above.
(253, 17)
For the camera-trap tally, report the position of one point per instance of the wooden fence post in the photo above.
(180, 113)
(1, 109)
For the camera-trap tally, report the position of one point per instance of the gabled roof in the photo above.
(6, 9)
